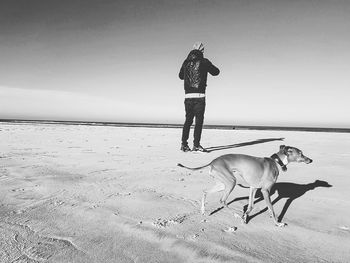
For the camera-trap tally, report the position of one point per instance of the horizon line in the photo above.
(176, 125)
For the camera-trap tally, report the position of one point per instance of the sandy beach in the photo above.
(74, 193)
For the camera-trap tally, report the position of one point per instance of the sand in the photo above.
(71, 193)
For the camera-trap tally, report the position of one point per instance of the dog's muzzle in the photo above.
(308, 160)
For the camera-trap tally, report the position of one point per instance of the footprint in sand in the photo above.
(58, 203)
(18, 190)
(346, 228)
(24, 259)
(41, 251)
(193, 237)
(31, 247)
(18, 212)
(230, 229)
(162, 223)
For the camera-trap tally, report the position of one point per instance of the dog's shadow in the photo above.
(290, 191)
(224, 147)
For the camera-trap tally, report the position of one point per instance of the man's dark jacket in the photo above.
(194, 72)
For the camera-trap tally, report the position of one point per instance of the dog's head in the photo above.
(294, 154)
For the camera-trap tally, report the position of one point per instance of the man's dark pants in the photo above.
(194, 108)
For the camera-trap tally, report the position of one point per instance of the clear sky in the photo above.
(282, 62)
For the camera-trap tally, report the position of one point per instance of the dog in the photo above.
(257, 172)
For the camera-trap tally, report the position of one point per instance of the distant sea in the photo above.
(158, 125)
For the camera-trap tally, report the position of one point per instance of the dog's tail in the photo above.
(195, 168)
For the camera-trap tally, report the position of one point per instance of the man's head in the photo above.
(199, 46)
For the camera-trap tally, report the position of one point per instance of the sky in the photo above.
(282, 62)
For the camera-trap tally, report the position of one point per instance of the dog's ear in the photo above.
(284, 149)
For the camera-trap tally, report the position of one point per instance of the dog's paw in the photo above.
(280, 224)
(245, 219)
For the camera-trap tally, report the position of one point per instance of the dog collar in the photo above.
(281, 163)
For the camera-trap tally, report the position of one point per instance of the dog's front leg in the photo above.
(267, 198)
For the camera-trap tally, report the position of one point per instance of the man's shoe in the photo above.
(185, 148)
(199, 148)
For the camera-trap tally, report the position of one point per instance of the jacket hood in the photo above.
(195, 55)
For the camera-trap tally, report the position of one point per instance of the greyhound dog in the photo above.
(258, 173)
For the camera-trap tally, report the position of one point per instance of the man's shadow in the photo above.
(224, 147)
(290, 191)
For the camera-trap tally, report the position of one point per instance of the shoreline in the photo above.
(160, 125)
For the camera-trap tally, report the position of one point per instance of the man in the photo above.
(194, 72)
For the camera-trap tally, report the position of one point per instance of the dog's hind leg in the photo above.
(229, 186)
(252, 192)
(218, 187)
